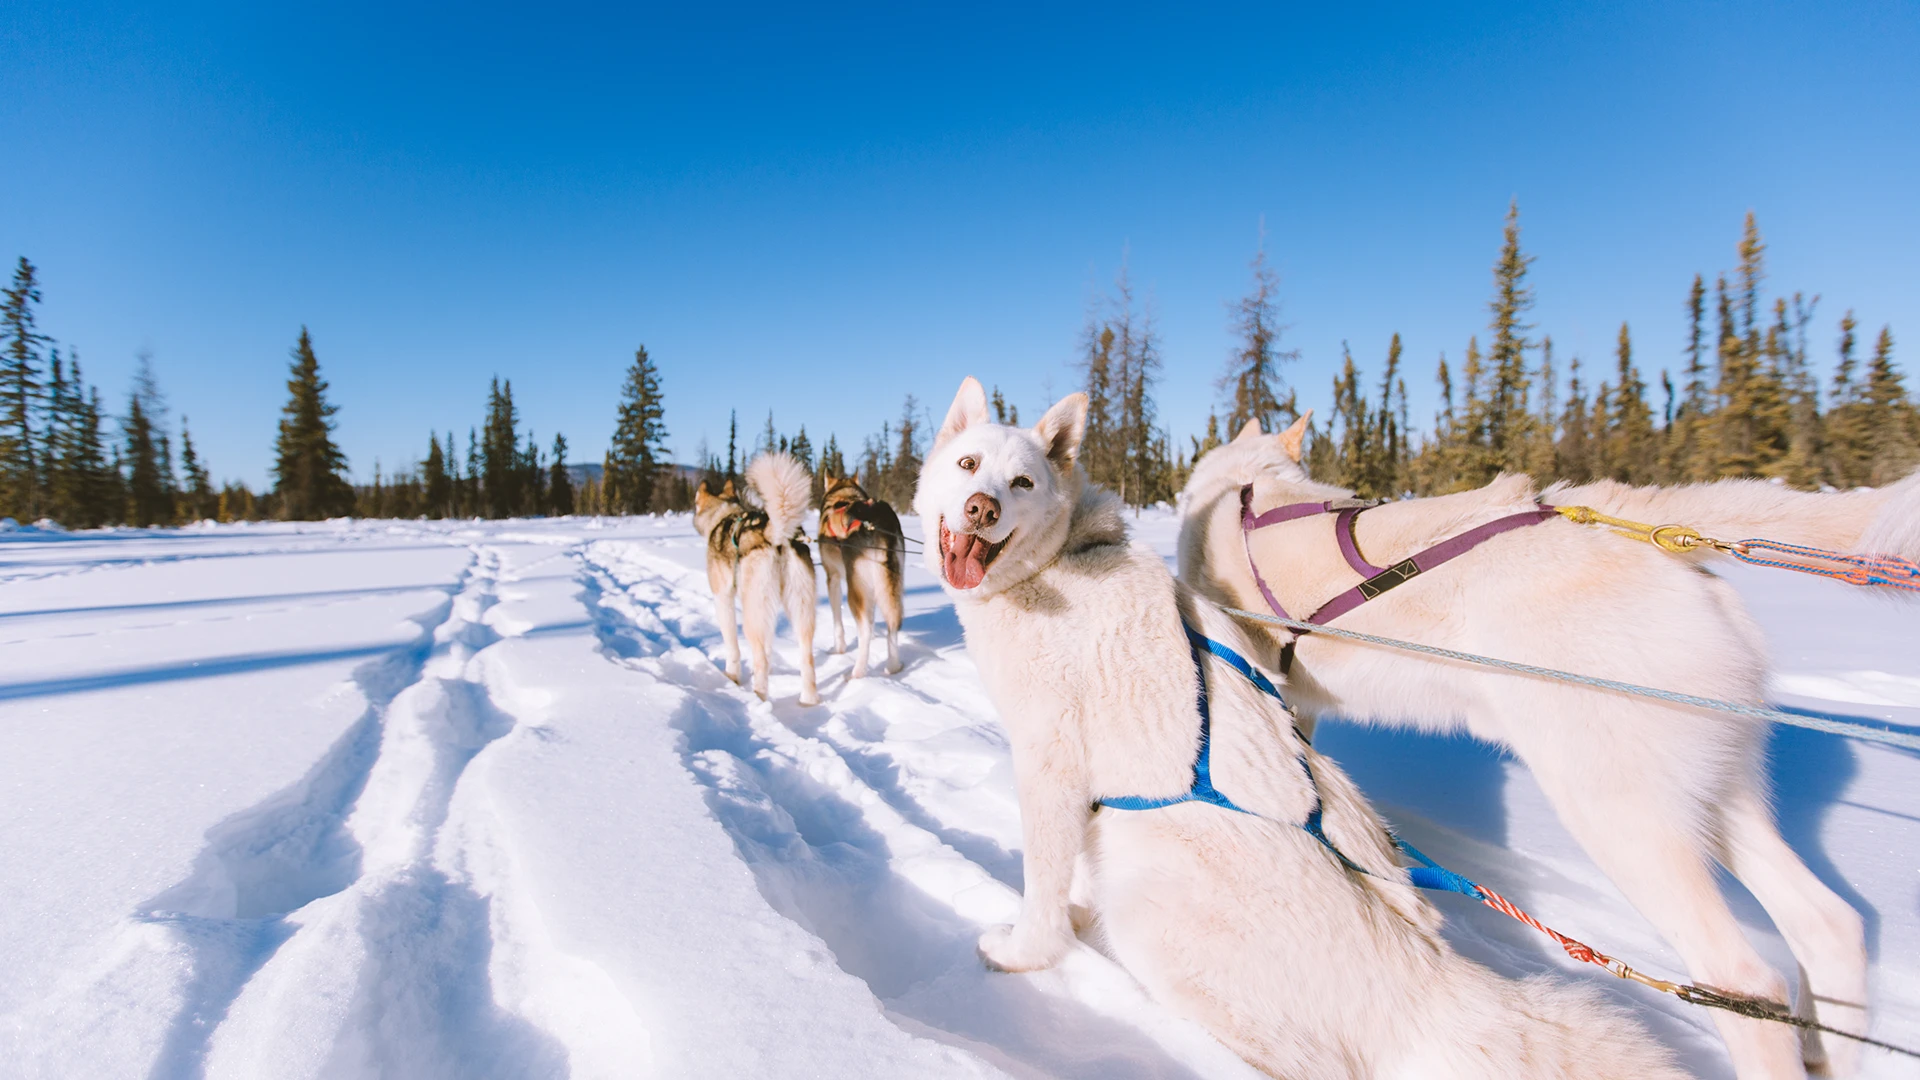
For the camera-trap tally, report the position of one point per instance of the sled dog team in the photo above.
(1174, 814)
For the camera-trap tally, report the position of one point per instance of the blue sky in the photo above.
(818, 213)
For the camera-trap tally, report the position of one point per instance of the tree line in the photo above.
(62, 459)
(506, 475)
(1745, 401)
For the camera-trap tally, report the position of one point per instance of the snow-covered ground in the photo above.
(459, 799)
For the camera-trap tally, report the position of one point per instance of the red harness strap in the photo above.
(841, 521)
(1377, 579)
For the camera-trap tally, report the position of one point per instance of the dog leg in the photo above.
(761, 611)
(801, 605)
(723, 613)
(1054, 811)
(836, 569)
(860, 602)
(891, 606)
(1825, 933)
(1639, 833)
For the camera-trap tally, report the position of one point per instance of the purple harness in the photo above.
(1377, 579)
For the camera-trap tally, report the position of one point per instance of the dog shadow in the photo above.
(1451, 780)
(1810, 771)
(819, 863)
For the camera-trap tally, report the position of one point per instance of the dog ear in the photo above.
(1291, 438)
(969, 408)
(1251, 429)
(726, 490)
(1062, 429)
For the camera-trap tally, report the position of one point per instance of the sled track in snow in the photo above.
(350, 851)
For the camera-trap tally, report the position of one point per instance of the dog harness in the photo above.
(1202, 789)
(1377, 579)
(1428, 875)
(737, 524)
(844, 517)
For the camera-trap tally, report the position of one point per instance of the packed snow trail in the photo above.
(460, 799)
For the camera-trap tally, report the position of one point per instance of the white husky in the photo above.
(1243, 922)
(1656, 793)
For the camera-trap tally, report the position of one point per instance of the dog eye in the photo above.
(1023, 482)
(969, 463)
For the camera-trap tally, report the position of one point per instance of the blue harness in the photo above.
(1428, 875)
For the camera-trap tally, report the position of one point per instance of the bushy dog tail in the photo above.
(784, 488)
(1885, 519)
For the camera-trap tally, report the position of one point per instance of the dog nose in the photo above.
(982, 510)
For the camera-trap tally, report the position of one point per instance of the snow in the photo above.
(464, 799)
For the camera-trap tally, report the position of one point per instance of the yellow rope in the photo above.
(1679, 539)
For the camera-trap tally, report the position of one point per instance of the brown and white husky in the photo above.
(864, 551)
(760, 554)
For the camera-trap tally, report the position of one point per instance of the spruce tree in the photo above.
(559, 481)
(1389, 436)
(1254, 378)
(309, 469)
(1503, 426)
(96, 497)
(903, 471)
(1351, 451)
(1891, 434)
(1688, 442)
(1629, 453)
(56, 454)
(148, 501)
(832, 461)
(1802, 464)
(533, 479)
(802, 449)
(502, 473)
(1573, 454)
(438, 486)
(197, 500)
(1846, 431)
(638, 451)
(1099, 449)
(20, 391)
(733, 442)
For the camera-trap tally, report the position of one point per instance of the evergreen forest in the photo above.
(1748, 396)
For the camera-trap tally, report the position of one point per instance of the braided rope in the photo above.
(1903, 739)
(1854, 568)
(1692, 993)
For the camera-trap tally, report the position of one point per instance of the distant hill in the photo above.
(581, 473)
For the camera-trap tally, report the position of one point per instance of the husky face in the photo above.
(1000, 498)
(1249, 456)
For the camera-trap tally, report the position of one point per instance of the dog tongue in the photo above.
(966, 560)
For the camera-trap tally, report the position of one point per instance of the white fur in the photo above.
(770, 570)
(1656, 793)
(1241, 922)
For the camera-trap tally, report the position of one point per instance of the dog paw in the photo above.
(895, 667)
(1009, 949)
(810, 698)
(859, 672)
